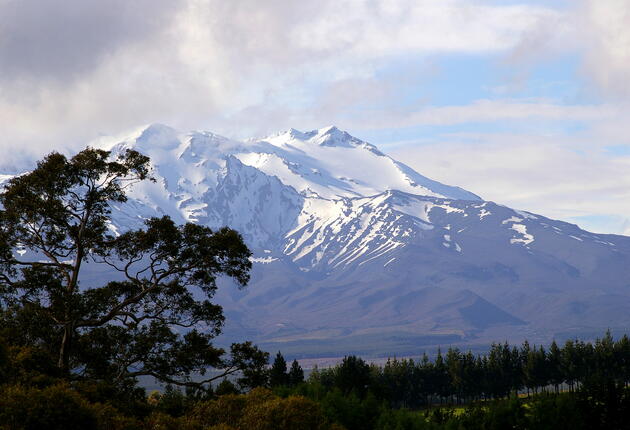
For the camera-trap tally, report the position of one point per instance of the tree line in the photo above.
(461, 377)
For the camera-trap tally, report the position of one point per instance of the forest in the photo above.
(73, 349)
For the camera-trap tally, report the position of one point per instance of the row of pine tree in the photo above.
(458, 377)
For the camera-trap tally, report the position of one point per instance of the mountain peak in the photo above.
(331, 129)
(320, 134)
(158, 135)
(332, 136)
(327, 162)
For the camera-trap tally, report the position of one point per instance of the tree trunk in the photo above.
(64, 351)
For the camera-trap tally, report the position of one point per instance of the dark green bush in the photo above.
(54, 407)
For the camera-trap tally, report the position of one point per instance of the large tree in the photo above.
(152, 315)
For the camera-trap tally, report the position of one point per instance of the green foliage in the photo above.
(296, 374)
(4, 361)
(352, 376)
(278, 372)
(402, 419)
(556, 412)
(401, 383)
(252, 363)
(226, 409)
(128, 399)
(172, 402)
(599, 369)
(54, 407)
(292, 413)
(29, 365)
(260, 410)
(349, 410)
(131, 327)
(278, 375)
(508, 414)
(226, 387)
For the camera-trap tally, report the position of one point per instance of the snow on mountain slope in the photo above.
(269, 189)
(322, 199)
(330, 163)
(338, 233)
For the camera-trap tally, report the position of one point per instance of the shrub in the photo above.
(54, 407)
(401, 419)
(260, 410)
(224, 410)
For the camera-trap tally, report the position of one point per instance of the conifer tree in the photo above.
(353, 375)
(554, 360)
(278, 372)
(296, 374)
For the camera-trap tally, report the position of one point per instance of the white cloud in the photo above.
(496, 110)
(74, 69)
(542, 174)
(604, 37)
(597, 31)
(372, 29)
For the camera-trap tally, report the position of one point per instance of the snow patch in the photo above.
(450, 209)
(522, 229)
(262, 260)
(511, 219)
(417, 208)
(525, 215)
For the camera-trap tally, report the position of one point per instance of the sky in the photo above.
(525, 103)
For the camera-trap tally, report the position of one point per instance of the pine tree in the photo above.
(454, 366)
(353, 375)
(555, 371)
(622, 349)
(296, 374)
(226, 387)
(441, 380)
(278, 373)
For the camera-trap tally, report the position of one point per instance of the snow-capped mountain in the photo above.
(357, 252)
(293, 193)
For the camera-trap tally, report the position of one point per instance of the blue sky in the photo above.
(526, 103)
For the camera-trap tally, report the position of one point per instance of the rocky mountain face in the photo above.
(355, 252)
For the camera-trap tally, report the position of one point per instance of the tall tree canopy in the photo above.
(153, 316)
